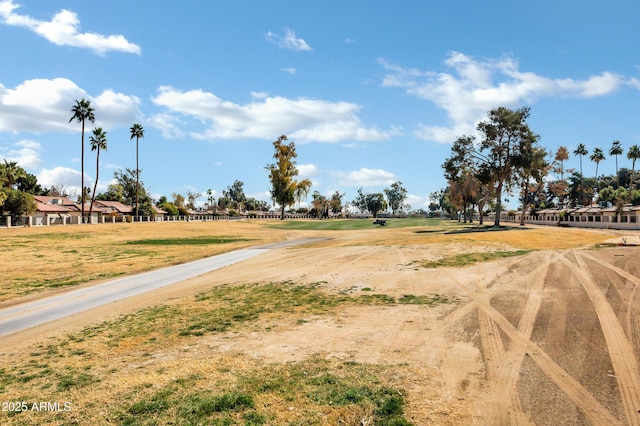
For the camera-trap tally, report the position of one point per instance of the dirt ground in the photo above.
(549, 338)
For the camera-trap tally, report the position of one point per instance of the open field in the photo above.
(432, 323)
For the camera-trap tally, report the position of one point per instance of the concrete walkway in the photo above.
(30, 314)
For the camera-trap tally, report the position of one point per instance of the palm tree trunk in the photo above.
(95, 185)
(82, 175)
(496, 222)
(137, 176)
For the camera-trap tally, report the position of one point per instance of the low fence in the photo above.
(621, 222)
(57, 220)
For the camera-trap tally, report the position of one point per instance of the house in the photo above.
(116, 210)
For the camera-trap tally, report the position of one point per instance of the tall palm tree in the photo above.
(616, 149)
(98, 142)
(633, 154)
(597, 156)
(580, 151)
(137, 132)
(82, 110)
(562, 154)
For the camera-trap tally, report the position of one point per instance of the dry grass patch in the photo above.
(149, 367)
(46, 258)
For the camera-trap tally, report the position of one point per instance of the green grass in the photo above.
(465, 259)
(193, 241)
(355, 224)
(310, 389)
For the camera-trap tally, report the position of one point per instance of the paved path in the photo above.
(20, 317)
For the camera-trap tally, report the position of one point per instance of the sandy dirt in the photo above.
(549, 338)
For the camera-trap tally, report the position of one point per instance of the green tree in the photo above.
(502, 136)
(320, 205)
(10, 174)
(137, 132)
(633, 154)
(396, 196)
(98, 142)
(562, 154)
(615, 150)
(236, 194)
(371, 203)
(335, 203)
(17, 203)
(285, 190)
(82, 111)
(125, 187)
(532, 164)
(581, 151)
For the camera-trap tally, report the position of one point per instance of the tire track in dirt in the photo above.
(583, 399)
(620, 348)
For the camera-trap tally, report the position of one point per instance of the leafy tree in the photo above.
(29, 183)
(461, 171)
(16, 203)
(168, 206)
(532, 164)
(98, 142)
(285, 190)
(371, 203)
(321, 205)
(125, 189)
(396, 195)
(581, 151)
(335, 204)
(633, 154)
(137, 132)
(615, 150)
(236, 194)
(562, 154)
(82, 111)
(254, 204)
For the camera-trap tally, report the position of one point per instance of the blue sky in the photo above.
(372, 92)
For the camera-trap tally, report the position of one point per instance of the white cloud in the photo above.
(290, 70)
(69, 178)
(307, 170)
(301, 119)
(62, 30)
(26, 153)
(365, 177)
(42, 105)
(288, 41)
(476, 86)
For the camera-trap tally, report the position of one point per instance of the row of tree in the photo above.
(508, 157)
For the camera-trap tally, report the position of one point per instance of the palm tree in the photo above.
(137, 132)
(10, 173)
(597, 156)
(562, 154)
(581, 150)
(616, 149)
(98, 142)
(633, 154)
(82, 111)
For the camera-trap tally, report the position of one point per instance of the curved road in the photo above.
(30, 314)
